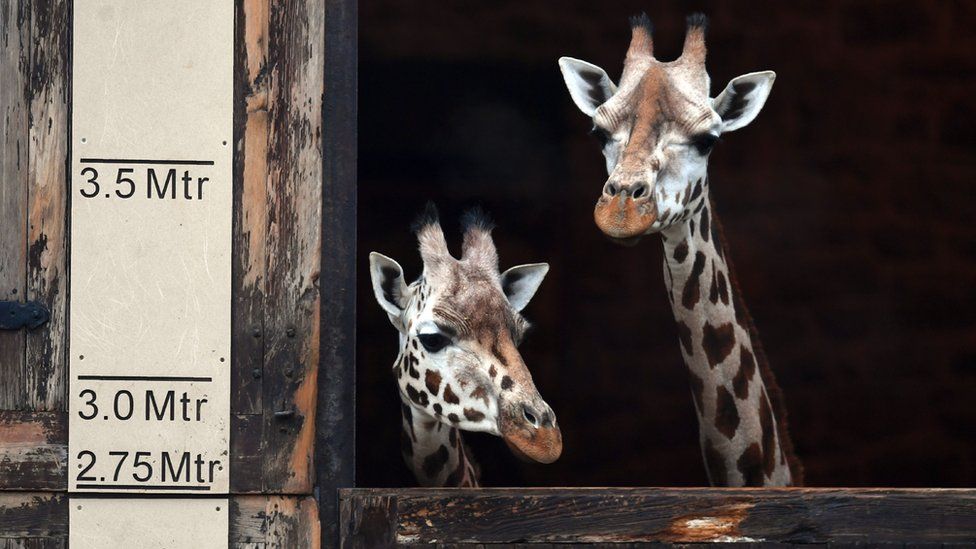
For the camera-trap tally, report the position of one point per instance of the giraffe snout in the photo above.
(531, 432)
(625, 212)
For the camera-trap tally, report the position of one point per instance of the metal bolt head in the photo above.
(290, 332)
(256, 373)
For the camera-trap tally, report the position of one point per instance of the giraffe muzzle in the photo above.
(532, 435)
(624, 218)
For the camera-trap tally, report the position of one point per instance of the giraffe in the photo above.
(656, 128)
(459, 367)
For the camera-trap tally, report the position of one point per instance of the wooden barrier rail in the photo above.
(904, 517)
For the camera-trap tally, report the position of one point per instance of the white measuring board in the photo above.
(151, 202)
(148, 523)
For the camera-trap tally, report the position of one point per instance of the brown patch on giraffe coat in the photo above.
(436, 461)
(684, 336)
(411, 362)
(750, 466)
(715, 465)
(492, 372)
(726, 412)
(418, 397)
(723, 288)
(704, 228)
(713, 291)
(449, 396)
(437, 409)
(692, 290)
(433, 381)
(481, 393)
(507, 383)
(453, 418)
(717, 342)
(473, 415)
(747, 369)
(768, 434)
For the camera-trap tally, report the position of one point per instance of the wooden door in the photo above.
(283, 269)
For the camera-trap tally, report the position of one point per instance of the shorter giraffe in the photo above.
(459, 367)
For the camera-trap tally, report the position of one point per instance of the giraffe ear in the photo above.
(743, 98)
(588, 84)
(521, 282)
(388, 284)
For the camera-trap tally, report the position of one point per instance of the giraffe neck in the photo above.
(435, 452)
(742, 443)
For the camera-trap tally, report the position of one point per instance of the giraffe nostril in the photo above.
(530, 416)
(642, 189)
(610, 189)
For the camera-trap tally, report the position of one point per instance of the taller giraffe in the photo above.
(459, 367)
(656, 129)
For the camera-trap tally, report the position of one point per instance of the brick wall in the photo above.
(849, 204)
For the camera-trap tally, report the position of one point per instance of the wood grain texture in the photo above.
(47, 252)
(33, 450)
(291, 342)
(14, 103)
(255, 521)
(692, 515)
(368, 521)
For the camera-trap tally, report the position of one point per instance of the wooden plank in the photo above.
(251, 126)
(692, 515)
(33, 543)
(33, 515)
(46, 364)
(255, 521)
(14, 63)
(336, 416)
(33, 450)
(368, 521)
(291, 304)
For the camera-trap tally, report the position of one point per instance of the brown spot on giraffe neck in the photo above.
(436, 461)
(692, 290)
(726, 412)
(750, 465)
(747, 369)
(473, 415)
(717, 342)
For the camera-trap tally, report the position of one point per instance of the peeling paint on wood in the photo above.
(291, 346)
(46, 358)
(33, 450)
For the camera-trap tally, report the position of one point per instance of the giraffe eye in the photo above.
(434, 342)
(703, 143)
(601, 135)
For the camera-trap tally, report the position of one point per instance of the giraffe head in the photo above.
(460, 327)
(657, 128)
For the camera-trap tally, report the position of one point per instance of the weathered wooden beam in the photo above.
(255, 520)
(294, 198)
(665, 515)
(14, 102)
(47, 223)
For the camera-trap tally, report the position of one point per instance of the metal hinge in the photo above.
(15, 315)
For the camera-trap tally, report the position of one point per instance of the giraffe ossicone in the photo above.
(459, 368)
(656, 128)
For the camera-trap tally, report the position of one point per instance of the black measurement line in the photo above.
(143, 378)
(139, 487)
(146, 161)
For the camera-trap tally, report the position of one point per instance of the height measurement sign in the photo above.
(151, 203)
